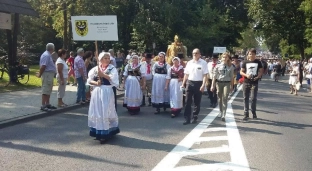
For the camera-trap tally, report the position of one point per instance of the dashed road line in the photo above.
(239, 160)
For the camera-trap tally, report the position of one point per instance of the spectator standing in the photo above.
(113, 62)
(61, 76)
(81, 76)
(112, 57)
(46, 73)
(71, 72)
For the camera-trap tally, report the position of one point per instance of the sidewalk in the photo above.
(19, 105)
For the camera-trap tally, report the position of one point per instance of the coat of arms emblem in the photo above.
(81, 27)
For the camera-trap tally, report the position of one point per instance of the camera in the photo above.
(252, 77)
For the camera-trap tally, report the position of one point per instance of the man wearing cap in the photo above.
(81, 76)
(212, 94)
(147, 91)
(195, 72)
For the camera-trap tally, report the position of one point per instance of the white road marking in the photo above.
(216, 129)
(217, 138)
(238, 157)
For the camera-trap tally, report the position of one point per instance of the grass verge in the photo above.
(34, 81)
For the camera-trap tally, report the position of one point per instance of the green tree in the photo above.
(281, 17)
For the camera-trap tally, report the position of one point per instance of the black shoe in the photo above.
(143, 104)
(194, 119)
(245, 119)
(215, 105)
(254, 116)
(186, 122)
(157, 111)
(211, 105)
(51, 107)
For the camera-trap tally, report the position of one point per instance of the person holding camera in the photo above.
(251, 70)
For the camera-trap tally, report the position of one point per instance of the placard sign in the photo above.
(5, 21)
(219, 49)
(91, 28)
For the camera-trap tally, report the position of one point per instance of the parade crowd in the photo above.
(174, 83)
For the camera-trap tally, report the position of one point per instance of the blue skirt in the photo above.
(104, 134)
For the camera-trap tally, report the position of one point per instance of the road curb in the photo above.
(39, 115)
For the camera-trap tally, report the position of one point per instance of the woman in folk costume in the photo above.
(160, 96)
(134, 82)
(174, 80)
(102, 116)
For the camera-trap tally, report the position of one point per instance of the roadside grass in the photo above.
(34, 81)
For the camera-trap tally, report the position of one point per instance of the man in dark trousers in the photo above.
(212, 94)
(195, 77)
(252, 71)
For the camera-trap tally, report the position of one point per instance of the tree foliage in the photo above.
(201, 23)
(280, 20)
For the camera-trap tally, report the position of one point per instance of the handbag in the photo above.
(298, 85)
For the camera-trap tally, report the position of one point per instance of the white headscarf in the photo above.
(102, 54)
(176, 58)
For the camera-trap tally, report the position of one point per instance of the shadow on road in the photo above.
(67, 154)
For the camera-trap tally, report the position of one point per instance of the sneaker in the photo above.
(44, 108)
(219, 116)
(254, 116)
(245, 119)
(51, 107)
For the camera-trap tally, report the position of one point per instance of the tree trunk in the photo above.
(12, 43)
(65, 35)
(70, 33)
(302, 52)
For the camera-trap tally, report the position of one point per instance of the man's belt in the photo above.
(223, 81)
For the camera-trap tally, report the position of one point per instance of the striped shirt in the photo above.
(78, 64)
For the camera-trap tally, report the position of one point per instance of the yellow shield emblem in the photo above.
(81, 27)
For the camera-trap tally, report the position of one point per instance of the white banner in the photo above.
(219, 49)
(91, 28)
(5, 21)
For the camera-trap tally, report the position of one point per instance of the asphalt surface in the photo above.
(279, 140)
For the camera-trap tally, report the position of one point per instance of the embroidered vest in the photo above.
(161, 69)
(134, 72)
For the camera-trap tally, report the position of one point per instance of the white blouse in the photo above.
(113, 74)
(157, 64)
(142, 69)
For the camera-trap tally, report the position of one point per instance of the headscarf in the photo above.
(176, 58)
(102, 54)
(164, 54)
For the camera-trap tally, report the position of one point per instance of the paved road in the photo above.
(279, 140)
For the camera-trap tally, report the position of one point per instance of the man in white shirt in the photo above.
(147, 91)
(195, 72)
